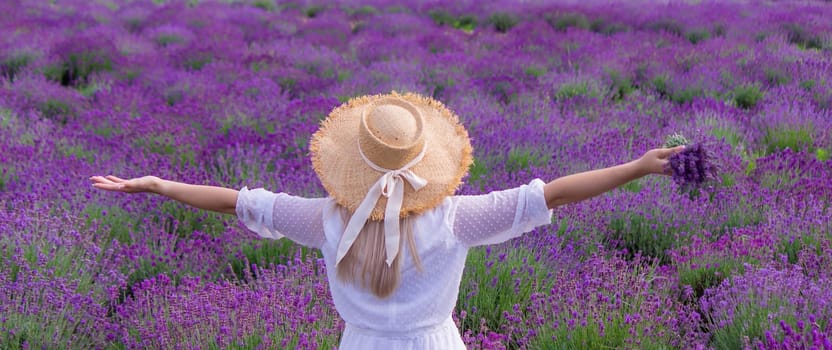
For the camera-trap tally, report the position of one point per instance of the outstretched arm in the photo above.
(218, 199)
(580, 186)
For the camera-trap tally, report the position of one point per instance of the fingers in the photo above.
(114, 178)
(667, 152)
(109, 179)
(666, 170)
(100, 179)
(105, 183)
(108, 186)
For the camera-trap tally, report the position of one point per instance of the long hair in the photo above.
(365, 264)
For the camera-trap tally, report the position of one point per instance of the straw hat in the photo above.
(373, 145)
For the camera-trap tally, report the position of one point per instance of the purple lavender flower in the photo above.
(692, 167)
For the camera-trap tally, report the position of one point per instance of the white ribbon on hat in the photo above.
(391, 186)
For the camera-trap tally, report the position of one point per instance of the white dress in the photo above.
(418, 314)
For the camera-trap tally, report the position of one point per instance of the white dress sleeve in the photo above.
(500, 215)
(275, 215)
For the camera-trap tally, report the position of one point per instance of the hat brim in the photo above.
(347, 178)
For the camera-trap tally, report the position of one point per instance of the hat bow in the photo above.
(391, 186)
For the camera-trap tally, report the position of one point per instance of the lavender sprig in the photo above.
(675, 140)
(692, 167)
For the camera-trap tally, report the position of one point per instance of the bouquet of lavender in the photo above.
(692, 167)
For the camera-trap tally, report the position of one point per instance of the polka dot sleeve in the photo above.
(275, 215)
(500, 215)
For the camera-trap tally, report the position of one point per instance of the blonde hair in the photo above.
(365, 263)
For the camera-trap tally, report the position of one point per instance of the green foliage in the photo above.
(184, 220)
(751, 166)
(265, 253)
(621, 85)
(535, 71)
(267, 5)
(197, 62)
(719, 30)
(750, 321)
(298, 148)
(133, 23)
(686, 95)
(822, 155)
(313, 11)
(61, 262)
(615, 335)
(504, 91)
(78, 67)
(441, 17)
(617, 331)
(287, 83)
(741, 214)
(562, 22)
(164, 40)
(7, 118)
(42, 331)
(791, 246)
(775, 77)
(365, 10)
(502, 21)
(113, 219)
(13, 64)
(823, 100)
(231, 169)
(159, 144)
(707, 272)
(131, 74)
(88, 90)
(696, 36)
(728, 134)
(807, 85)
(567, 91)
(797, 35)
(493, 283)
(778, 139)
(343, 76)
(56, 110)
(584, 337)
(279, 336)
(667, 25)
(727, 179)
(77, 151)
(478, 172)
(760, 37)
(521, 158)
(636, 233)
(726, 79)
(660, 84)
(466, 23)
(780, 179)
(7, 175)
(607, 28)
(634, 186)
(747, 96)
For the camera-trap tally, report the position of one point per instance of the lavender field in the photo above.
(228, 93)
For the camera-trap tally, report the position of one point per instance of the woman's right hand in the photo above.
(655, 160)
(113, 183)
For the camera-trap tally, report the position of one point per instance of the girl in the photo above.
(393, 236)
